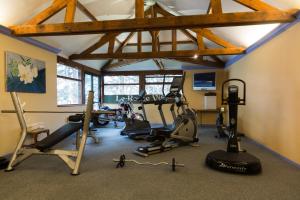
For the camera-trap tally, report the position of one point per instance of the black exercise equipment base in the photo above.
(3, 163)
(10, 170)
(241, 163)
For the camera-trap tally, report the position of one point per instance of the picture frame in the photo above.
(24, 74)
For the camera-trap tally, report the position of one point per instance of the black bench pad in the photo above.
(58, 135)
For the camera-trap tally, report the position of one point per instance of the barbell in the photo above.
(122, 160)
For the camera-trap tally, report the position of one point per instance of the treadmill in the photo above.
(151, 133)
(142, 134)
(137, 126)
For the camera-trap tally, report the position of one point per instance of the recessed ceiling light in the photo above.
(195, 56)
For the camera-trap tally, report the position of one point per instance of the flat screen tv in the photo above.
(204, 81)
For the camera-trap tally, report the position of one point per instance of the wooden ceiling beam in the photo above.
(151, 24)
(200, 42)
(103, 40)
(139, 42)
(70, 11)
(208, 34)
(139, 8)
(147, 72)
(208, 8)
(189, 35)
(119, 50)
(121, 64)
(165, 13)
(217, 59)
(43, 16)
(161, 54)
(201, 62)
(72, 63)
(162, 43)
(257, 5)
(84, 10)
(111, 45)
(174, 40)
(216, 6)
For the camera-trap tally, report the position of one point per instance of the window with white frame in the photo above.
(117, 87)
(154, 84)
(69, 85)
(92, 83)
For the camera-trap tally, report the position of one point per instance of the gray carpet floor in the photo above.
(46, 177)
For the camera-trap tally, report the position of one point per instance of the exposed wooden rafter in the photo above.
(119, 50)
(102, 41)
(257, 5)
(83, 9)
(107, 38)
(70, 11)
(121, 64)
(184, 55)
(161, 43)
(80, 66)
(161, 54)
(150, 24)
(194, 27)
(263, 14)
(216, 7)
(201, 62)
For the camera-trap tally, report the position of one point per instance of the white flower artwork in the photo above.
(25, 74)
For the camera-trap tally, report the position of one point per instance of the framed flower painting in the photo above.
(24, 74)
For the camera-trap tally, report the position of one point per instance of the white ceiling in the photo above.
(15, 12)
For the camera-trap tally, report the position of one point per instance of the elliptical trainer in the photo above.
(184, 128)
(234, 160)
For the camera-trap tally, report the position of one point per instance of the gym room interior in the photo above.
(149, 99)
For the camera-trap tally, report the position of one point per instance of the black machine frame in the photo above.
(234, 160)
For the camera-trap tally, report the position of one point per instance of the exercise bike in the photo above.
(184, 128)
(106, 114)
(235, 159)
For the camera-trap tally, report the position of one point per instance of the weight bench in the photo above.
(58, 136)
(79, 118)
(72, 158)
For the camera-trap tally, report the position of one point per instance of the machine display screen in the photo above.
(204, 81)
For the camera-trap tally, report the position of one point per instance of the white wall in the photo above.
(272, 74)
(9, 127)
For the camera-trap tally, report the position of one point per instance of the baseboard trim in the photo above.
(278, 155)
(207, 125)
